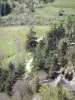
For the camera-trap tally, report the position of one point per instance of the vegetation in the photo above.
(39, 36)
(51, 93)
(44, 14)
(44, 54)
(5, 9)
(31, 42)
(10, 76)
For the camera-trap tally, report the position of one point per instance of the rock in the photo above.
(37, 97)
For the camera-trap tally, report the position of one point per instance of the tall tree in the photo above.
(38, 61)
(31, 41)
(63, 51)
(64, 48)
(73, 59)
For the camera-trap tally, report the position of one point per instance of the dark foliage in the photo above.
(44, 55)
(11, 66)
(31, 41)
(5, 9)
(9, 77)
(64, 48)
(69, 76)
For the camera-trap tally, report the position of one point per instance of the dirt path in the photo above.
(30, 61)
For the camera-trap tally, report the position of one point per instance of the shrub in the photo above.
(60, 13)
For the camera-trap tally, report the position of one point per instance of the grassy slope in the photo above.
(45, 15)
(64, 4)
(13, 38)
(49, 12)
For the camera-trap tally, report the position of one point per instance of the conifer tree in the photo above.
(31, 41)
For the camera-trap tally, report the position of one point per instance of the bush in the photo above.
(60, 13)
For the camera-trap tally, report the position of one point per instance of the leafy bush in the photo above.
(60, 13)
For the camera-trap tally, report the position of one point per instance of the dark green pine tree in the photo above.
(63, 51)
(3, 78)
(38, 61)
(31, 41)
(64, 48)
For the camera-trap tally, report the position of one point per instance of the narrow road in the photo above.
(28, 67)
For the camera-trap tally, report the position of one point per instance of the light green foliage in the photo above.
(50, 93)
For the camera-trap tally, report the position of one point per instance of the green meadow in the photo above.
(12, 41)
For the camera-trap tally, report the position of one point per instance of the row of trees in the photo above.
(46, 52)
(31, 41)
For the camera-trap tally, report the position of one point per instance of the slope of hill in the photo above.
(44, 14)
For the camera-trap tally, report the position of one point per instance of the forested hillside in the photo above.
(37, 49)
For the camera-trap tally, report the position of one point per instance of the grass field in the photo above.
(50, 11)
(12, 41)
(64, 4)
